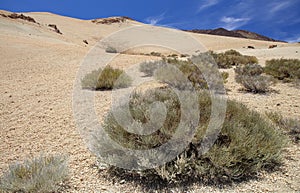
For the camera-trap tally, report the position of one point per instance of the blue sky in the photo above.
(278, 19)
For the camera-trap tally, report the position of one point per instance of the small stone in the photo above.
(122, 181)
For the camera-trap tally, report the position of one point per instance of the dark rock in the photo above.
(233, 33)
(55, 28)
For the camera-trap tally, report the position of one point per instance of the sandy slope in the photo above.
(38, 69)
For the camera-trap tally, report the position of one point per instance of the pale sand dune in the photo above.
(38, 69)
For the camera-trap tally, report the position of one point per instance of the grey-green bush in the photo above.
(283, 69)
(194, 74)
(232, 58)
(110, 49)
(106, 79)
(156, 54)
(250, 76)
(148, 68)
(41, 174)
(246, 144)
(288, 125)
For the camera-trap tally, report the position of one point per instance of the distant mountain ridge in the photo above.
(234, 33)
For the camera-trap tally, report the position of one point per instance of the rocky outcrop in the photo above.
(111, 20)
(19, 16)
(234, 33)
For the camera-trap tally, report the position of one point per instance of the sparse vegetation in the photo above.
(106, 79)
(173, 55)
(182, 74)
(225, 76)
(149, 67)
(156, 54)
(272, 46)
(288, 125)
(283, 69)
(250, 76)
(41, 174)
(111, 49)
(173, 76)
(232, 58)
(246, 144)
(184, 55)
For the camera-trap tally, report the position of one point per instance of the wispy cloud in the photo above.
(232, 23)
(154, 20)
(206, 4)
(278, 6)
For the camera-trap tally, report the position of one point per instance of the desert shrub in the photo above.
(194, 74)
(246, 144)
(173, 76)
(156, 54)
(184, 55)
(190, 71)
(149, 67)
(225, 76)
(232, 52)
(90, 80)
(187, 68)
(173, 55)
(283, 69)
(139, 110)
(106, 79)
(38, 175)
(250, 70)
(288, 125)
(110, 49)
(250, 77)
(232, 58)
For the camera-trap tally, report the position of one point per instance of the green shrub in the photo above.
(290, 126)
(156, 54)
(149, 67)
(175, 77)
(246, 144)
(173, 55)
(249, 70)
(232, 58)
(232, 52)
(90, 80)
(106, 79)
(194, 74)
(184, 55)
(250, 77)
(139, 108)
(225, 76)
(191, 72)
(38, 175)
(110, 49)
(283, 69)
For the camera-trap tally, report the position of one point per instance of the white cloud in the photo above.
(279, 6)
(206, 4)
(232, 23)
(154, 20)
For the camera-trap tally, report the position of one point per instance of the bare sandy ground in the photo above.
(38, 69)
